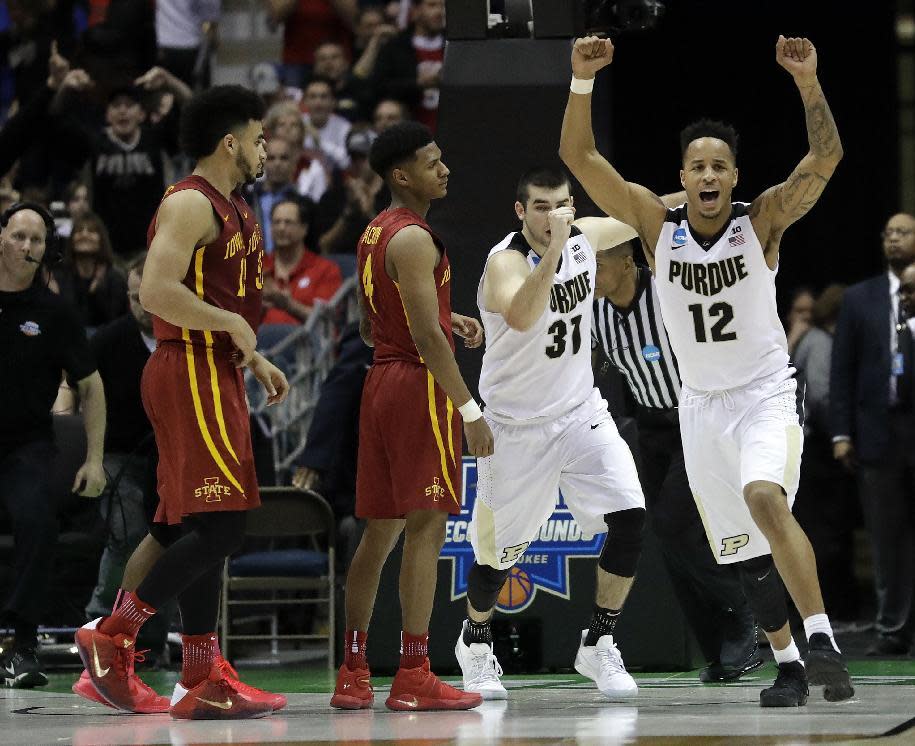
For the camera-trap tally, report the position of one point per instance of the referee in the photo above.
(39, 340)
(628, 328)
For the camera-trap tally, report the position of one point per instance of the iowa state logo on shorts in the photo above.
(544, 565)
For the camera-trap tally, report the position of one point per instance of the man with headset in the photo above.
(39, 339)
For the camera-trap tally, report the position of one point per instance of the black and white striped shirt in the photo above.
(635, 341)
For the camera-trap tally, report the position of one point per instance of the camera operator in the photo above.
(39, 338)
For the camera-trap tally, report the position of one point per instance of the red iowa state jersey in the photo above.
(381, 295)
(227, 273)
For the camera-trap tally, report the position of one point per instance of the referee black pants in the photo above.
(26, 492)
(709, 594)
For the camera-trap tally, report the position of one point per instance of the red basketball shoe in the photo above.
(420, 689)
(354, 690)
(109, 662)
(276, 701)
(146, 702)
(215, 698)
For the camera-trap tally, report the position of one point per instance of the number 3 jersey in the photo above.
(718, 301)
(543, 372)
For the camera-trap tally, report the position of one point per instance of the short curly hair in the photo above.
(212, 114)
(397, 145)
(709, 128)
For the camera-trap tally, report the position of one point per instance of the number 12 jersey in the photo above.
(718, 301)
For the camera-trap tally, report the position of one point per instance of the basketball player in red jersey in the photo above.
(202, 283)
(413, 402)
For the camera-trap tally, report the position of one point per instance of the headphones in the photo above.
(52, 251)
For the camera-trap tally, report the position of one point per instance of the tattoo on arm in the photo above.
(822, 133)
(799, 193)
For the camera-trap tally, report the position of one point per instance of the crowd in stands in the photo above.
(90, 96)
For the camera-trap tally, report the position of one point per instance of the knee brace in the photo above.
(762, 585)
(483, 586)
(623, 544)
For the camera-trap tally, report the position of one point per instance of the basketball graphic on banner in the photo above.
(517, 591)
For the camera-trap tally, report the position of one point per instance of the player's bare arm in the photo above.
(271, 378)
(520, 294)
(90, 479)
(629, 203)
(365, 325)
(184, 222)
(410, 260)
(781, 205)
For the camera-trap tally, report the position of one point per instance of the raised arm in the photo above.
(512, 289)
(605, 233)
(184, 222)
(630, 203)
(781, 205)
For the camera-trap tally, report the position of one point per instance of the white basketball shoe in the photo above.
(603, 664)
(480, 667)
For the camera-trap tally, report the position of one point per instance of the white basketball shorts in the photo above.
(734, 437)
(580, 453)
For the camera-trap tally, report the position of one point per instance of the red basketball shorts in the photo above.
(195, 400)
(409, 444)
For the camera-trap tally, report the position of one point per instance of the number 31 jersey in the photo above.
(543, 372)
(718, 301)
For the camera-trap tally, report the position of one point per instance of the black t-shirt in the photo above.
(121, 354)
(40, 337)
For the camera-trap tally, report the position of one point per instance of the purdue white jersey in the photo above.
(543, 372)
(718, 301)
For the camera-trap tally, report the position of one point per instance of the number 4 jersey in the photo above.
(543, 372)
(718, 301)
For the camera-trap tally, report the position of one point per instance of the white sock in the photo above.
(819, 623)
(788, 655)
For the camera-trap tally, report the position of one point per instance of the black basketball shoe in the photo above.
(789, 689)
(826, 666)
(21, 669)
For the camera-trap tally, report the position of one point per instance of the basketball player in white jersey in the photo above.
(740, 410)
(551, 429)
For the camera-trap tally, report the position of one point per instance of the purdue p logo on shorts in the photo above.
(513, 554)
(731, 544)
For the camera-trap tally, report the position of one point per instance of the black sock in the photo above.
(603, 622)
(478, 632)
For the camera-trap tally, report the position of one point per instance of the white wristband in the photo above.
(582, 85)
(470, 411)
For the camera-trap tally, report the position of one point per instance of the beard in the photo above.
(249, 174)
(899, 262)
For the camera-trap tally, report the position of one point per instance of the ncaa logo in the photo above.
(679, 238)
(651, 353)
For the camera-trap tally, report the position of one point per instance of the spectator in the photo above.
(388, 112)
(275, 186)
(825, 505)
(353, 95)
(325, 131)
(78, 201)
(87, 278)
(284, 120)
(872, 430)
(126, 159)
(306, 24)
(265, 82)
(294, 277)
(799, 317)
(40, 337)
(121, 350)
(328, 463)
(409, 67)
(371, 33)
(186, 34)
(356, 196)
